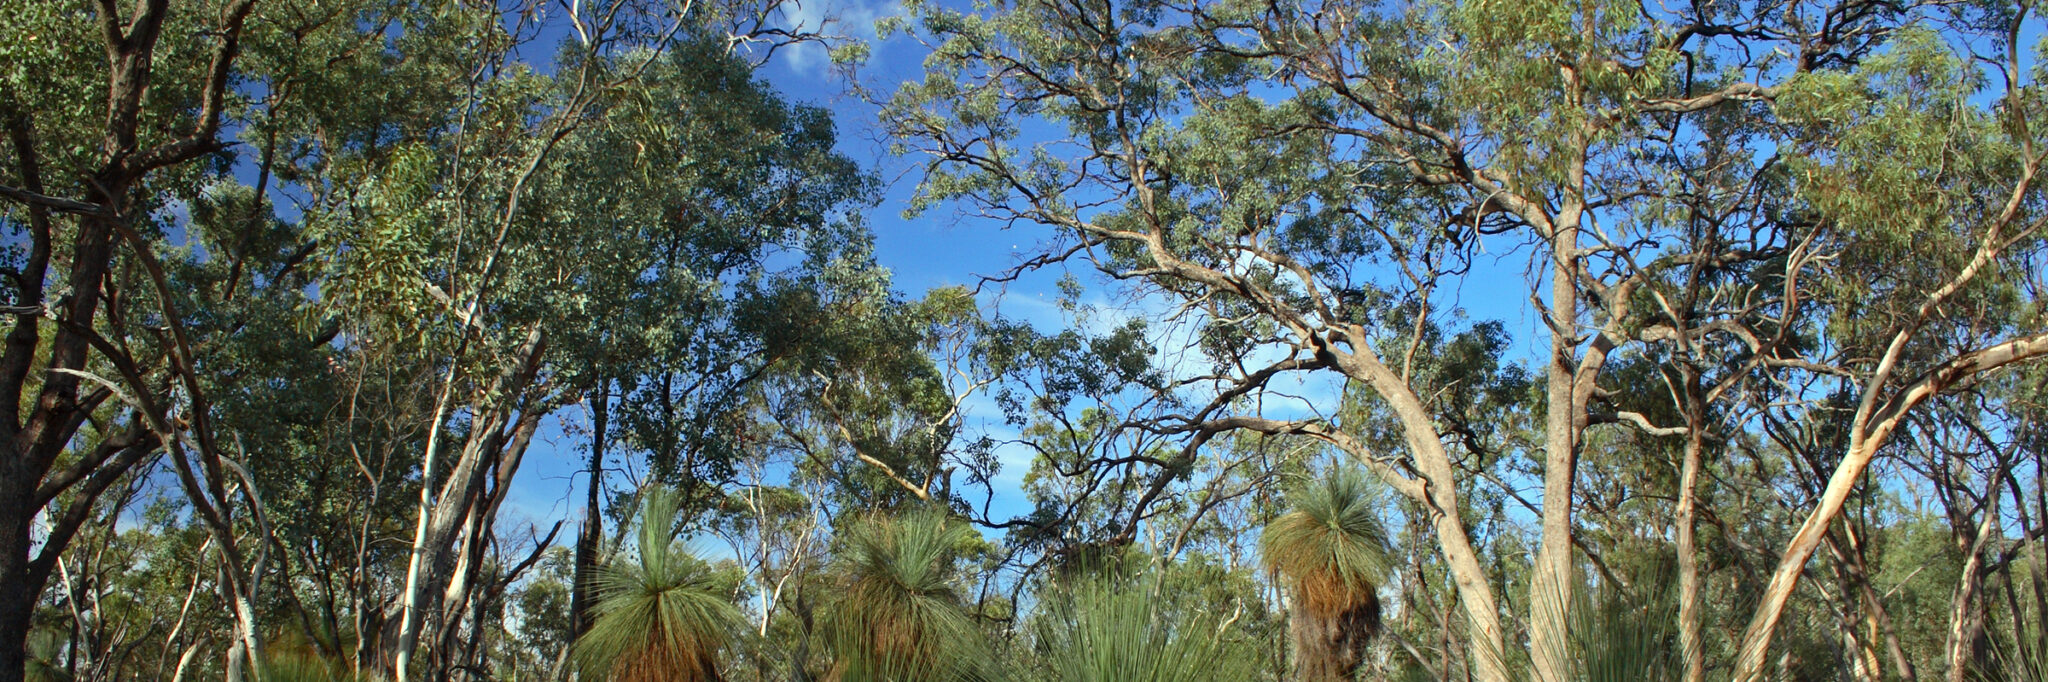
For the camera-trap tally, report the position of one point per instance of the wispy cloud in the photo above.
(850, 19)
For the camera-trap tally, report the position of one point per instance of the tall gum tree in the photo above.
(393, 130)
(1289, 172)
(613, 225)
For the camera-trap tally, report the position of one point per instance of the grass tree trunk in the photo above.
(1329, 648)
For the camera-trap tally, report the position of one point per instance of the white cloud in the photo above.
(852, 19)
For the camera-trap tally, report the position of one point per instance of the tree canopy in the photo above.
(1339, 339)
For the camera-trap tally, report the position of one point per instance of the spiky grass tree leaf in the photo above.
(1626, 638)
(308, 667)
(897, 617)
(1112, 629)
(661, 614)
(1332, 545)
(2016, 656)
(45, 648)
(1618, 634)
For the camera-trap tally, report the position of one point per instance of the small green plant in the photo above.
(2020, 657)
(306, 666)
(45, 647)
(1621, 634)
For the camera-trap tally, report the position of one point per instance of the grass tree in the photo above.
(1331, 551)
(1114, 629)
(1624, 635)
(897, 616)
(661, 614)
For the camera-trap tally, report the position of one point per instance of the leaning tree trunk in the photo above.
(1963, 646)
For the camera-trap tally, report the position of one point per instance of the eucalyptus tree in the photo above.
(1313, 180)
(863, 400)
(1973, 450)
(738, 205)
(433, 257)
(117, 116)
(1907, 332)
(563, 233)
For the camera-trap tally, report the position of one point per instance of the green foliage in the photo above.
(1620, 633)
(661, 612)
(1618, 636)
(1136, 628)
(305, 667)
(542, 605)
(2021, 657)
(897, 615)
(411, 226)
(1332, 545)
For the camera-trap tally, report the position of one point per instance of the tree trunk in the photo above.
(1691, 645)
(593, 519)
(1964, 643)
(1330, 648)
(1877, 619)
(17, 597)
(1872, 427)
(1551, 593)
(442, 511)
(1437, 495)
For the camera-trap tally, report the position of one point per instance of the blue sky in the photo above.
(944, 247)
(939, 248)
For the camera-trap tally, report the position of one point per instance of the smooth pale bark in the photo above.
(1874, 427)
(446, 508)
(439, 511)
(1564, 420)
(461, 596)
(1438, 494)
(1342, 345)
(1691, 644)
(1966, 610)
(1435, 492)
(1877, 416)
(185, 660)
(416, 562)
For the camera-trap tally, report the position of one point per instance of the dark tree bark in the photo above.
(1329, 648)
(31, 443)
(593, 519)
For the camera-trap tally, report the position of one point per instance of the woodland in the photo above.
(1476, 340)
